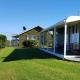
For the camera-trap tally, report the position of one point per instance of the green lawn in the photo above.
(32, 64)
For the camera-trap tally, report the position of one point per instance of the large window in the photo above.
(73, 39)
(41, 40)
(46, 39)
(50, 40)
(59, 40)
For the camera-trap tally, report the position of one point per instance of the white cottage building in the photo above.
(62, 39)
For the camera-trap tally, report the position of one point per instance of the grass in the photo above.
(33, 64)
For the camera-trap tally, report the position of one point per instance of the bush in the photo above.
(30, 43)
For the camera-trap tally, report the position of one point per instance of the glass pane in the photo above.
(60, 40)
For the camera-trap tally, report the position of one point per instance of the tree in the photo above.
(2, 40)
(7, 43)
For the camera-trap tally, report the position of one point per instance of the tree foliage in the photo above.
(2, 40)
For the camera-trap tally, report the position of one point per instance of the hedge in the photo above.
(30, 43)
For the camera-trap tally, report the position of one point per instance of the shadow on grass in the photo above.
(19, 54)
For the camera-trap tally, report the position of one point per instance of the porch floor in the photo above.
(67, 57)
(73, 58)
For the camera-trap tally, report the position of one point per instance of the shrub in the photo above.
(30, 43)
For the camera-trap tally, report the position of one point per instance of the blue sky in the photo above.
(14, 14)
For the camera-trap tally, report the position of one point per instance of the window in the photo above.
(31, 37)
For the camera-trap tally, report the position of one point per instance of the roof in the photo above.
(67, 20)
(37, 28)
(72, 19)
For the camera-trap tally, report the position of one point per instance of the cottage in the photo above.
(31, 34)
(62, 39)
